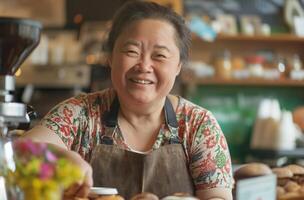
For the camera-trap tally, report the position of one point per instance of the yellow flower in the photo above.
(41, 172)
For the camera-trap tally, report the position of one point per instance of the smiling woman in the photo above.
(137, 136)
(144, 63)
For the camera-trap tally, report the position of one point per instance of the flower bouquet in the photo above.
(40, 172)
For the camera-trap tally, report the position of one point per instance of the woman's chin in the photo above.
(141, 98)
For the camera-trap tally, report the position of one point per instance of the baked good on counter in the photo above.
(292, 186)
(283, 175)
(180, 196)
(290, 179)
(251, 170)
(290, 182)
(145, 196)
(298, 173)
(290, 196)
(99, 197)
(280, 191)
(110, 197)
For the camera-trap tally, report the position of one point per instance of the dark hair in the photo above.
(137, 10)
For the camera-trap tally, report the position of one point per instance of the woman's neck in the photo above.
(140, 126)
(136, 114)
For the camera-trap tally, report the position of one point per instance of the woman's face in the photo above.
(145, 61)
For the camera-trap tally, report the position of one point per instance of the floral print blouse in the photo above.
(77, 121)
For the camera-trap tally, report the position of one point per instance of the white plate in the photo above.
(103, 190)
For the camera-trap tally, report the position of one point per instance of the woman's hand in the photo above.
(214, 194)
(81, 188)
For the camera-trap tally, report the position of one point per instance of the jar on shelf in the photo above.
(223, 66)
(294, 63)
(255, 65)
(280, 64)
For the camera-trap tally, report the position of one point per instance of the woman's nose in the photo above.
(145, 64)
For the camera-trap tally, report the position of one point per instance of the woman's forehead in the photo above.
(155, 22)
(145, 28)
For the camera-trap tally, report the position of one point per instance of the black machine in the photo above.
(18, 38)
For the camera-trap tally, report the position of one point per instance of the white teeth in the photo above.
(141, 81)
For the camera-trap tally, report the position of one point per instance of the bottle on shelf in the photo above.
(280, 64)
(296, 71)
(223, 66)
(296, 62)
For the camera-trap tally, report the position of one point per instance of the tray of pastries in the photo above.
(290, 182)
(99, 193)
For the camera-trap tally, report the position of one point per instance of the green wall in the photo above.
(235, 108)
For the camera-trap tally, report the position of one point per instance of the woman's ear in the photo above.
(109, 60)
(179, 67)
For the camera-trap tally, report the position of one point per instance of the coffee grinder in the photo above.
(18, 38)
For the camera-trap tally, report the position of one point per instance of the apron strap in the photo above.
(170, 114)
(110, 119)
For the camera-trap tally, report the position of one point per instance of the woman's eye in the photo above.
(160, 56)
(132, 53)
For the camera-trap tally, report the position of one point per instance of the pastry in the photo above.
(298, 173)
(284, 175)
(145, 196)
(251, 170)
(292, 186)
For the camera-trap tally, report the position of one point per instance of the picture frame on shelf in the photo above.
(228, 24)
(299, 26)
(250, 25)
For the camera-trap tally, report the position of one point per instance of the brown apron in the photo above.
(163, 172)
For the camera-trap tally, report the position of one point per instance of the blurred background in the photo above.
(246, 65)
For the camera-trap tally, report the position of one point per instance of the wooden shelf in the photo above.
(271, 38)
(242, 45)
(241, 82)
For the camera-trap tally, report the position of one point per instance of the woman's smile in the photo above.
(141, 81)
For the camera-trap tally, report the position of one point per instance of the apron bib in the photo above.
(163, 171)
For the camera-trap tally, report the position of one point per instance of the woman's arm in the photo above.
(214, 194)
(45, 135)
(210, 160)
(42, 134)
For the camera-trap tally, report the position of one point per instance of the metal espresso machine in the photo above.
(18, 38)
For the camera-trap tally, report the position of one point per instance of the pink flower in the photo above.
(51, 157)
(46, 171)
(21, 146)
(36, 148)
(28, 146)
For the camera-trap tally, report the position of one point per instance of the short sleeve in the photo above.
(210, 162)
(68, 120)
